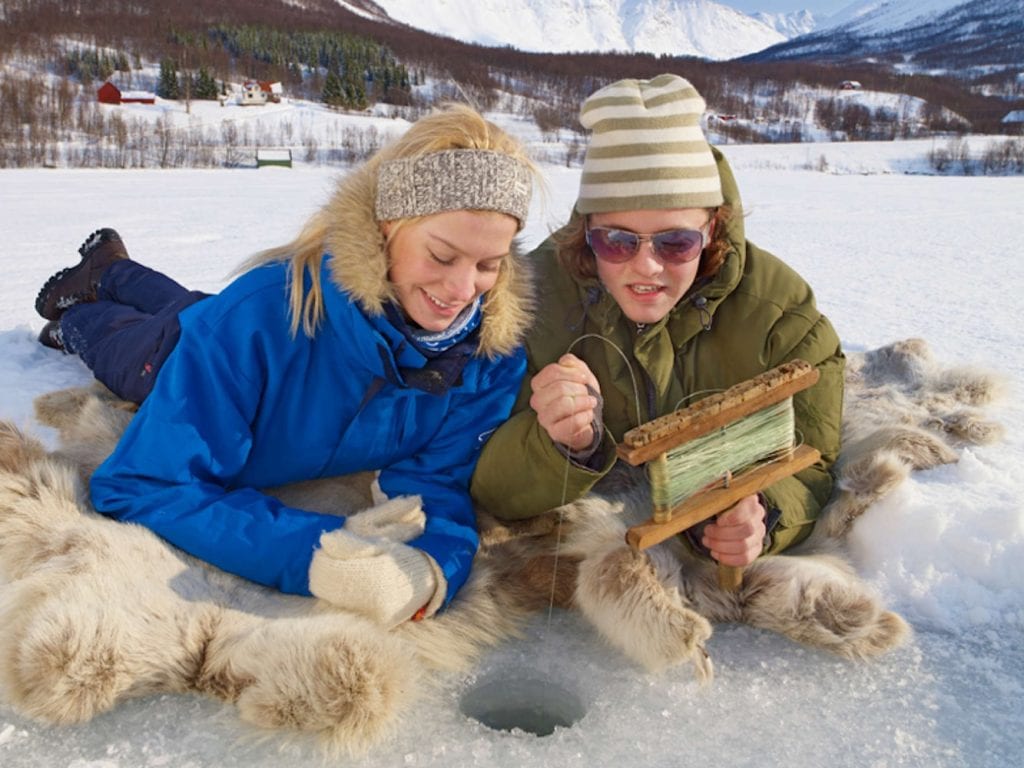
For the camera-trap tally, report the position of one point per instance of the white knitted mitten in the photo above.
(398, 519)
(385, 581)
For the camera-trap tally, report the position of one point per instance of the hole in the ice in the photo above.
(528, 704)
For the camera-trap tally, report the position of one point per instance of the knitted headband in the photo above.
(647, 150)
(451, 180)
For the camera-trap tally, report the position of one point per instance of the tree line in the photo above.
(50, 125)
(321, 51)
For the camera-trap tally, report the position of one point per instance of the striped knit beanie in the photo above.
(647, 150)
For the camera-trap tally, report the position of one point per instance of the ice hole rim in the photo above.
(511, 702)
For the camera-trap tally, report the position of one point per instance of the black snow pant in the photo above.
(127, 333)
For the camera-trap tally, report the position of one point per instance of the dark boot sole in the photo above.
(99, 238)
(55, 311)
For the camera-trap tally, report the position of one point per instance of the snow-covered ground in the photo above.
(890, 256)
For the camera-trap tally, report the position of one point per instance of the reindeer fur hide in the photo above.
(93, 611)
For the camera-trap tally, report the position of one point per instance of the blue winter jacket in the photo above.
(242, 405)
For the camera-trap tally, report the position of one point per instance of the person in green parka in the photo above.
(649, 299)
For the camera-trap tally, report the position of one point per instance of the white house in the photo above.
(259, 92)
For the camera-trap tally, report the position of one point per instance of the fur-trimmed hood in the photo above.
(359, 266)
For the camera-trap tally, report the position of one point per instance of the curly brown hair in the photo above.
(579, 261)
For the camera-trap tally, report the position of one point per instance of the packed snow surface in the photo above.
(890, 256)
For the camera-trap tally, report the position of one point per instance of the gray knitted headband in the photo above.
(453, 180)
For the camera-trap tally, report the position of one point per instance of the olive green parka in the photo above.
(754, 314)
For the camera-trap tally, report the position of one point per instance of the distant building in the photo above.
(1013, 122)
(849, 85)
(109, 93)
(279, 157)
(258, 92)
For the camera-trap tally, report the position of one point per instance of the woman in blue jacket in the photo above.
(385, 337)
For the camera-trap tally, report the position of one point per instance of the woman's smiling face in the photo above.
(442, 263)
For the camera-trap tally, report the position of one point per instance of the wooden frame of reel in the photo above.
(653, 440)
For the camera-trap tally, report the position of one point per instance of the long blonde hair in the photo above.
(454, 126)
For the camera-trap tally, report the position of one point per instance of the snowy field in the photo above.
(890, 256)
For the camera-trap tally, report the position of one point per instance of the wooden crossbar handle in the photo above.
(705, 504)
(730, 577)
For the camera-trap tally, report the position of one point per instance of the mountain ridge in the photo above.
(962, 38)
(701, 28)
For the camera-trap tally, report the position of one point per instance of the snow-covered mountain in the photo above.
(933, 35)
(789, 25)
(880, 16)
(672, 27)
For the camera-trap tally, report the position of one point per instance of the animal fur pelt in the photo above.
(94, 611)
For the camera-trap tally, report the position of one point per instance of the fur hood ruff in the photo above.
(359, 266)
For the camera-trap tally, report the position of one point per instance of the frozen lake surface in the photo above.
(890, 256)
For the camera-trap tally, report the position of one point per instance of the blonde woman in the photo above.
(385, 337)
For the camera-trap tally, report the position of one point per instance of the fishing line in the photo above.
(568, 463)
(757, 438)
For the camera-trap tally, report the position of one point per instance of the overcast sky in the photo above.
(820, 8)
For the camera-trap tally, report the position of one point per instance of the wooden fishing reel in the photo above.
(704, 458)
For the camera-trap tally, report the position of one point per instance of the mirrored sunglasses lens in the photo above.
(613, 245)
(679, 245)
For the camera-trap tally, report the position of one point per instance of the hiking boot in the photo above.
(76, 284)
(52, 336)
